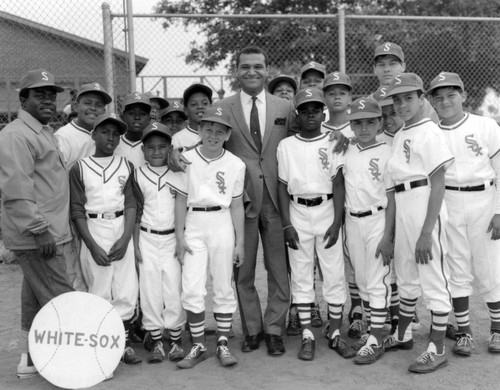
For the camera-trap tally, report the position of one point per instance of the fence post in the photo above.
(108, 54)
(131, 46)
(341, 13)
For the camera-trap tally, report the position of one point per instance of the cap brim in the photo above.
(445, 85)
(136, 102)
(364, 115)
(337, 83)
(281, 79)
(40, 85)
(385, 102)
(167, 111)
(216, 119)
(152, 132)
(122, 126)
(163, 102)
(309, 101)
(403, 89)
(106, 98)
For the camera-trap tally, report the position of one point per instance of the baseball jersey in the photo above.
(209, 182)
(386, 137)
(474, 141)
(418, 151)
(100, 185)
(186, 137)
(154, 197)
(132, 151)
(75, 142)
(364, 170)
(305, 165)
(344, 129)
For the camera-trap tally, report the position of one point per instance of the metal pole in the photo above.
(341, 12)
(131, 46)
(108, 54)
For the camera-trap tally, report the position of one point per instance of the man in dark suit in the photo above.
(260, 121)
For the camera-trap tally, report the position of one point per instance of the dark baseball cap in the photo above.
(110, 117)
(94, 88)
(156, 128)
(382, 97)
(307, 95)
(313, 65)
(161, 101)
(136, 98)
(405, 82)
(196, 88)
(174, 107)
(217, 115)
(282, 79)
(365, 108)
(446, 79)
(389, 48)
(337, 78)
(39, 78)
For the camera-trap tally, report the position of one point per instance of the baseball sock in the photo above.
(304, 310)
(461, 309)
(394, 308)
(127, 326)
(335, 311)
(223, 321)
(406, 311)
(494, 308)
(355, 300)
(377, 323)
(156, 334)
(439, 322)
(368, 315)
(197, 326)
(175, 334)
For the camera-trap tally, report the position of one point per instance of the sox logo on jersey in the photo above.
(375, 169)
(473, 145)
(323, 157)
(221, 183)
(406, 147)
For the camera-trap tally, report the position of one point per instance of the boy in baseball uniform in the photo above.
(369, 233)
(154, 245)
(209, 228)
(196, 99)
(337, 90)
(103, 209)
(416, 172)
(312, 75)
(283, 86)
(473, 205)
(136, 112)
(158, 104)
(391, 122)
(311, 220)
(174, 117)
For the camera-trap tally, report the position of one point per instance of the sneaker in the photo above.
(357, 345)
(294, 328)
(224, 355)
(197, 354)
(415, 322)
(307, 349)
(316, 320)
(130, 357)
(176, 352)
(428, 362)
(494, 343)
(369, 354)
(158, 353)
(340, 346)
(464, 345)
(391, 343)
(26, 368)
(356, 328)
(451, 332)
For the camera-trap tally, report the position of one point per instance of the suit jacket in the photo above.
(263, 166)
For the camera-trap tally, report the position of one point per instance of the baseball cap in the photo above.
(39, 78)
(405, 82)
(446, 79)
(156, 128)
(217, 115)
(381, 96)
(95, 88)
(136, 98)
(389, 48)
(196, 88)
(365, 108)
(161, 101)
(337, 78)
(314, 66)
(279, 79)
(174, 107)
(307, 95)
(110, 117)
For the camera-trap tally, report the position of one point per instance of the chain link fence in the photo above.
(66, 37)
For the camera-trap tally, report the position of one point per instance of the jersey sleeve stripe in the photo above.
(177, 189)
(238, 196)
(494, 154)
(283, 181)
(440, 165)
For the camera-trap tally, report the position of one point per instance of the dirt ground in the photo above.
(260, 371)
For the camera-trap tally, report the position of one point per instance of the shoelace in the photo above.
(464, 341)
(159, 349)
(357, 324)
(426, 357)
(224, 351)
(294, 321)
(315, 313)
(366, 350)
(194, 351)
(174, 348)
(495, 337)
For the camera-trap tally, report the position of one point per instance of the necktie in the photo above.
(255, 125)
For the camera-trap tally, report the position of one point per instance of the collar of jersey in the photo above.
(361, 149)
(456, 125)
(190, 129)
(421, 122)
(207, 160)
(158, 171)
(319, 137)
(130, 143)
(79, 128)
(334, 128)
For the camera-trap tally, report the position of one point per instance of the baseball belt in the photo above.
(311, 202)
(481, 187)
(411, 185)
(109, 215)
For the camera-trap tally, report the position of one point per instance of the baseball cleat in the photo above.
(176, 352)
(451, 332)
(494, 343)
(26, 368)
(307, 349)
(294, 327)
(369, 354)
(158, 353)
(197, 354)
(316, 320)
(130, 357)
(358, 344)
(428, 362)
(464, 345)
(340, 346)
(391, 343)
(356, 328)
(224, 355)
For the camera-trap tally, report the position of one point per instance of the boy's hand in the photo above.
(100, 256)
(238, 255)
(46, 244)
(117, 251)
(291, 238)
(180, 250)
(385, 248)
(176, 161)
(494, 227)
(137, 254)
(423, 249)
(342, 142)
(331, 236)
